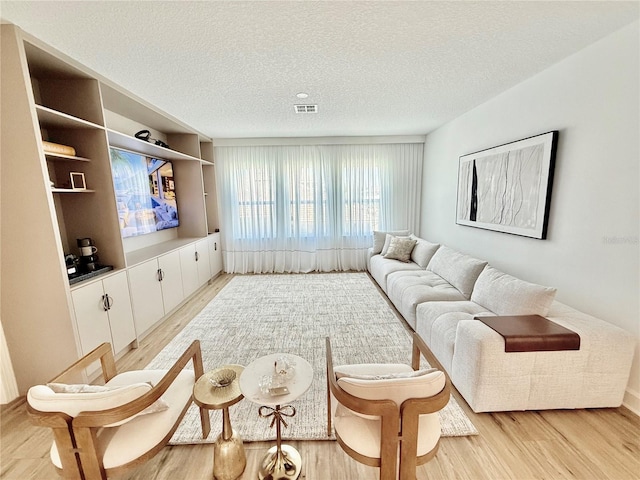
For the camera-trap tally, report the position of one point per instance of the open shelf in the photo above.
(71, 190)
(50, 118)
(63, 157)
(127, 142)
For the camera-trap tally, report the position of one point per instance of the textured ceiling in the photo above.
(232, 69)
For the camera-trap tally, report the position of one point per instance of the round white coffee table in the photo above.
(282, 461)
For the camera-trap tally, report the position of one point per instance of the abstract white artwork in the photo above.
(508, 188)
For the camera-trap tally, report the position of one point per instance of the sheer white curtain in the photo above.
(313, 208)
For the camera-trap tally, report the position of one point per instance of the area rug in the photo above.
(255, 315)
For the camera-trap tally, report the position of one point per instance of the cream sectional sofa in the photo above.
(439, 291)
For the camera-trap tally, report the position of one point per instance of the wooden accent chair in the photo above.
(386, 414)
(102, 431)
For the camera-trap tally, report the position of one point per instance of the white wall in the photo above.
(591, 253)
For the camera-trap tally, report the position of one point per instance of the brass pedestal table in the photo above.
(218, 390)
(282, 462)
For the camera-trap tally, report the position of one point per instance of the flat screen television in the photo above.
(145, 193)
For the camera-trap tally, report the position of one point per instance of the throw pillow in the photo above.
(400, 248)
(379, 238)
(387, 376)
(157, 406)
(504, 294)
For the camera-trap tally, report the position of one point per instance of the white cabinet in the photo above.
(103, 313)
(215, 254)
(156, 289)
(194, 259)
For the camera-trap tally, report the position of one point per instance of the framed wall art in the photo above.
(508, 188)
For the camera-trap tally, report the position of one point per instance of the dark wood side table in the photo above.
(229, 458)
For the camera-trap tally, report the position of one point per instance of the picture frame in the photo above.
(77, 181)
(507, 188)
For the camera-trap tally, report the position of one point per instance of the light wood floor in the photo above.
(583, 444)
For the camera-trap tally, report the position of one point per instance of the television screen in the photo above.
(145, 193)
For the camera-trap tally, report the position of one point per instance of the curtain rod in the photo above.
(373, 140)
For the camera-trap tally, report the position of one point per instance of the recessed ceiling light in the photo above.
(302, 95)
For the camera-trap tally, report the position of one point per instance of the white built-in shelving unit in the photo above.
(48, 323)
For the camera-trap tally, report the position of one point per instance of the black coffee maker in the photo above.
(88, 257)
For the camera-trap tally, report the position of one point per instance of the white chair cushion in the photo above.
(458, 269)
(125, 443)
(506, 295)
(363, 435)
(45, 399)
(396, 389)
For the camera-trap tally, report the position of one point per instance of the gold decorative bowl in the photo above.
(223, 378)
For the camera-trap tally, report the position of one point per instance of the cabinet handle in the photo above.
(215, 246)
(197, 257)
(160, 275)
(109, 301)
(105, 302)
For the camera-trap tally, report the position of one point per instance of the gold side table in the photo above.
(229, 458)
(281, 462)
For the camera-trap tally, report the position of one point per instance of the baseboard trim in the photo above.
(632, 401)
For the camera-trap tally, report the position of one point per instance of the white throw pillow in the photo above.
(75, 398)
(400, 248)
(458, 269)
(379, 238)
(423, 251)
(504, 294)
(396, 389)
(387, 376)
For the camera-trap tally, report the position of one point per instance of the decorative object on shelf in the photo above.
(508, 188)
(146, 136)
(50, 147)
(77, 181)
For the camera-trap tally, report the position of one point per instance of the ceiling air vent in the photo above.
(306, 108)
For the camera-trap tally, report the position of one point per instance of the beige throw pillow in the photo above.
(400, 248)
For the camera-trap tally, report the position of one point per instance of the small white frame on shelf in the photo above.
(77, 181)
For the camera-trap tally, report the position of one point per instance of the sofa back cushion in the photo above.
(504, 294)
(380, 237)
(423, 251)
(458, 269)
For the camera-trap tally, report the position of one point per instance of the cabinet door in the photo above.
(120, 313)
(172, 293)
(202, 261)
(146, 295)
(215, 254)
(189, 269)
(91, 316)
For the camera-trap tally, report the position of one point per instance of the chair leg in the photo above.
(71, 468)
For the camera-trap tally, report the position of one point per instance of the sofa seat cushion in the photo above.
(381, 267)
(458, 269)
(437, 322)
(504, 294)
(408, 289)
(125, 443)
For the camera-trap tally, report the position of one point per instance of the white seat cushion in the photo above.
(125, 443)
(363, 435)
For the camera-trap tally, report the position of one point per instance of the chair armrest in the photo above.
(102, 353)
(122, 412)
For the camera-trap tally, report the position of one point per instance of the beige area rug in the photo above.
(255, 315)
